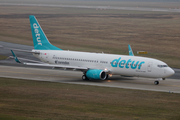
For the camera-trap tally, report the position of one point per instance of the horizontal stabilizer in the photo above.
(14, 49)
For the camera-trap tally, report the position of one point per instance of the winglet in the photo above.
(15, 58)
(130, 51)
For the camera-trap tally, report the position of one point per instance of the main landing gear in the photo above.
(84, 77)
(156, 82)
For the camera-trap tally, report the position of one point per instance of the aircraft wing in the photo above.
(49, 65)
(29, 60)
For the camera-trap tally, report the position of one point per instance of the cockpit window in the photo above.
(161, 66)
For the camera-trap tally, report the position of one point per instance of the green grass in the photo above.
(14, 117)
(33, 100)
(2, 57)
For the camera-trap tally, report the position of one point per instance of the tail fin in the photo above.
(39, 38)
(130, 51)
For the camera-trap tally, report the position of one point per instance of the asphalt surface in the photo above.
(96, 7)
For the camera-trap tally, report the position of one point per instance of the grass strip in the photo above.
(2, 57)
(46, 100)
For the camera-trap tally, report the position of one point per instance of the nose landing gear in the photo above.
(156, 82)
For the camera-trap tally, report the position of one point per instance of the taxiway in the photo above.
(95, 7)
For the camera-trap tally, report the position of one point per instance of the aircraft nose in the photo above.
(170, 72)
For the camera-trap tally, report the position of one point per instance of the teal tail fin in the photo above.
(130, 51)
(39, 38)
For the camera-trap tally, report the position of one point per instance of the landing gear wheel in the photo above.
(156, 82)
(84, 77)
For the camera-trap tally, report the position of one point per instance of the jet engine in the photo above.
(96, 74)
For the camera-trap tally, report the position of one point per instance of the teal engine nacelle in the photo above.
(96, 74)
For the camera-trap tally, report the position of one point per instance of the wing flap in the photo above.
(29, 60)
(57, 66)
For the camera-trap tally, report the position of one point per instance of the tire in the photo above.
(156, 82)
(84, 77)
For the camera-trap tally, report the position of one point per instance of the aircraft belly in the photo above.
(124, 71)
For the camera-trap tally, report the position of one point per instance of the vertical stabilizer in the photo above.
(130, 51)
(39, 38)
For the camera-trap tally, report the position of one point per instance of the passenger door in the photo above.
(149, 67)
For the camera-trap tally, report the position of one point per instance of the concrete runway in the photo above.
(10, 69)
(74, 77)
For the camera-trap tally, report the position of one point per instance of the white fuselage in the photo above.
(116, 64)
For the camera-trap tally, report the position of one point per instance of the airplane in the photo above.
(95, 66)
